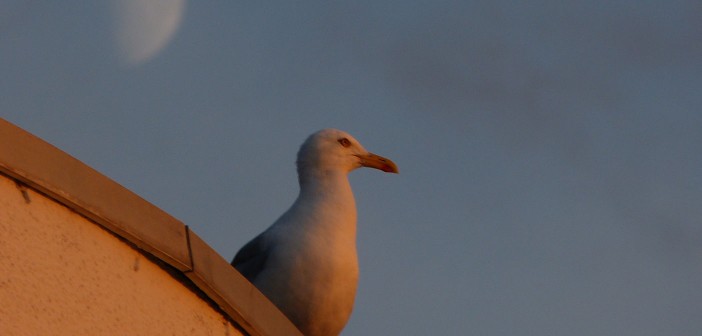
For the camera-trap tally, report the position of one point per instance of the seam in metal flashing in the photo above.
(190, 250)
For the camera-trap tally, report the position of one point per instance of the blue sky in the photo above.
(549, 151)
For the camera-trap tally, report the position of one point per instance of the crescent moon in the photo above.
(142, 28)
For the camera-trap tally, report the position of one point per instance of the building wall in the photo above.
(60, 274)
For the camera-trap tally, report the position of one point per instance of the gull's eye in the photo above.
(345, 142)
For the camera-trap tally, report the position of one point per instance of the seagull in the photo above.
(306, 262)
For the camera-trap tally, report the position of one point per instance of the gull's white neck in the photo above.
(327, 196)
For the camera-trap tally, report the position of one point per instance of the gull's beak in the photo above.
(378, 162)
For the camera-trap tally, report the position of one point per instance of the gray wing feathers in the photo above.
(251, 259)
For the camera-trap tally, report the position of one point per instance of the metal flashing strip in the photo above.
(70, 182)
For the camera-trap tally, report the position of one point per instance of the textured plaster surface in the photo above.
(61, 274)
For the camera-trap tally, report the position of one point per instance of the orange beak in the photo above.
(378, 162)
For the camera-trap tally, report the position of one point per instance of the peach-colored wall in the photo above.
(61, 274)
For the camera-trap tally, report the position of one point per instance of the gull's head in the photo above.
(332, 150)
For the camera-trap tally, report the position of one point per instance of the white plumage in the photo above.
(306, 262)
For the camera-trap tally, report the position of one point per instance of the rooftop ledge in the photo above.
(47, 169)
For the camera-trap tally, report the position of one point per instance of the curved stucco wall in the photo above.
(80, 254)
(60, 274)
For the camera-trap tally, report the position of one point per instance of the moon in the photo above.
(142, 28)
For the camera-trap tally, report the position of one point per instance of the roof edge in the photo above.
(72, 183)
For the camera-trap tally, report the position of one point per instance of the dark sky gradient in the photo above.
(550, 152)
